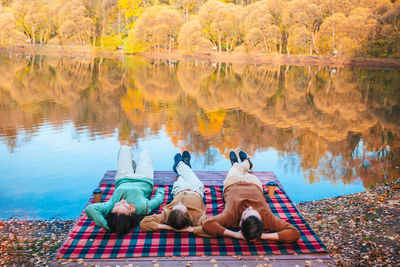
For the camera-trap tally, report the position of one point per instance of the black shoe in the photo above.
(186, 158)
(233, 157)
(243, 156)
(177, 159)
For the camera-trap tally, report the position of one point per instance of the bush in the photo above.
(54, 41)
(111, 42)
(134, 46)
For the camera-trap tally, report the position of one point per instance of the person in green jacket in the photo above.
(130, 198)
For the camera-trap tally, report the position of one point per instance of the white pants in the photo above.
(144, 166)
(238, 173)
(187, 180)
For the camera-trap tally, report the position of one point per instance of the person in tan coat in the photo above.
(186, 212)
(246, 207)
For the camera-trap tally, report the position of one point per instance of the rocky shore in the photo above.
(359, 230)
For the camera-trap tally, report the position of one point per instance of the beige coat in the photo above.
(194, 205)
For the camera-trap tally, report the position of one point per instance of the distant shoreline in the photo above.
(225, 57)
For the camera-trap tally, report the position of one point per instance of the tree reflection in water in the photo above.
(343, 123)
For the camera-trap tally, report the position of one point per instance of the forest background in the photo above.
(342, 28)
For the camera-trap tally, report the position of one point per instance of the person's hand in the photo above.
(186, 229)
(239, 235)
(160, 190)
(164, 227)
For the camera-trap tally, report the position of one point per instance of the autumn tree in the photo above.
(305, 14)
(158, 26)
(187, 7)
(387, 42)
(258, 26)
(206, 17)
(131, 9)
(32, 18)
(7, 27)
(275, 8)
(346, 6)
(75, 24)
(190, 37)
(221, 23)
(299, 40)
(351, 33)
(37, 22)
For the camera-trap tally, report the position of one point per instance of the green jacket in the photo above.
(135, 191)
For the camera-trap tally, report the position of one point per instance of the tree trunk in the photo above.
(119, 22)
(103, 26)
(169, 44)
(41, 37)
(219, 43)
(33, 36)
(94, 38)
(79, 36)
(265, 43)
(313, 42)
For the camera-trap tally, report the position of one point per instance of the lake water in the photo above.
(323, 131)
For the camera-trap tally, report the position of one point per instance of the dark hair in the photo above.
(252, 227)
(178, 219)
(121, 223)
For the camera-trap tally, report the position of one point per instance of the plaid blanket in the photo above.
(89, 241)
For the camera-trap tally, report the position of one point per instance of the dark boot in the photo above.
(243, 156)
(177, 159)
(233, 157)
(186, 158)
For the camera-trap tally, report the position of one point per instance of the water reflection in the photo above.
(343, 124)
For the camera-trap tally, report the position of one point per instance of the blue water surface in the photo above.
(54, 174)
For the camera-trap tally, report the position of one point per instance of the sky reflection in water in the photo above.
(323, 133)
